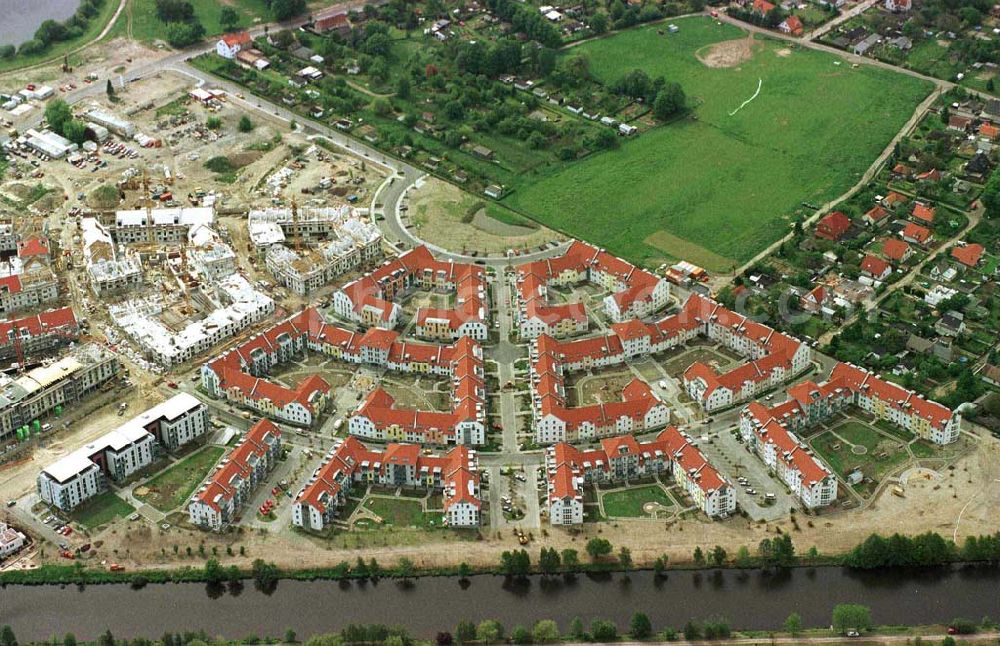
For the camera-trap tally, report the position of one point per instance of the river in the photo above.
(748, 599)
(22, 17)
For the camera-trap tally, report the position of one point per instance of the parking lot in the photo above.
(733, 460)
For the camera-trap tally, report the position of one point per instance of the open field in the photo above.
(630, 502)
(172, 487)
(816, 125)
(141, 23)
(101, 509)
(445, 215)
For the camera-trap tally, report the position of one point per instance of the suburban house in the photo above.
(924, 212)
(875, 267)
(875, 215)
(791, 25)
(897, 6)
(915, 233)
(833, 226)
(968, 254)
(232, 44)
(896, 250)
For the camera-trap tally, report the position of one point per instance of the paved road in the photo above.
(844, 16)
(974, 218)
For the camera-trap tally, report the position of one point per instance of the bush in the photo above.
(220, 164)
(30, 47)
(245, 124)
(603, 630)
(963, 626)
(213, 123)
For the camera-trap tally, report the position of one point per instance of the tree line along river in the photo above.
(748, 599)
(22, 17)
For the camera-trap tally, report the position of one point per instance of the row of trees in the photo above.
(923, 550)
(52, 31)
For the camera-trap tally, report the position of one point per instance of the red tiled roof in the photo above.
(895, 249)
(968, 254)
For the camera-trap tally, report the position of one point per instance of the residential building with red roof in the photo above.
(876, 215)
(635, 292)
(220, 499)
(791, 25)
(989, 131)
(622, 458)
(762, 7)
(924, 212)
(916, 234)
(893, 198)
(814, 299)
(875, 267)
(454, 474)
(968, 254)
(38, 333)
(774, 357)
(924, 418)
(240, 375)
(769, 434)
(232, 44)
(833, 226)
(896, 250)
(369, 299)
(932, 175)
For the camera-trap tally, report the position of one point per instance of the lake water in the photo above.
(20, 18)
(748, 599)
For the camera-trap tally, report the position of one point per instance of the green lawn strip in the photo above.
(101, 509)
(814, 127)
(171, 488)
(628, 503)
(58, 50)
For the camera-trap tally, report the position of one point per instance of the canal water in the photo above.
(748, 599)
(19, 19)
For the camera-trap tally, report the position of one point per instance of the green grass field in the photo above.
(101, 509)
(401, 512)
(147, 27)
(845, 461)
(174, 486)
(628, 503)
(714, 188)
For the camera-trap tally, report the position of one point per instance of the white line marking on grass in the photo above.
(760, 82)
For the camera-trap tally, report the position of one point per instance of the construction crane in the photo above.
(295, 225)
(148, 201)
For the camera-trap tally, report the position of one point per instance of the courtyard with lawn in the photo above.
(101, 510)
(743, 161)
(646, 501)
(172, 487)
(401, 512)
(856, 445)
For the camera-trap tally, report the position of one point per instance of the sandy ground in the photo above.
(728, 53)
(962, 501)
(435, 213)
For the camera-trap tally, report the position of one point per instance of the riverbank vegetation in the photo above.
(848, 621)
(53, 39)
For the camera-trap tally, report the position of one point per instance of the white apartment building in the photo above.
(124, 451)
